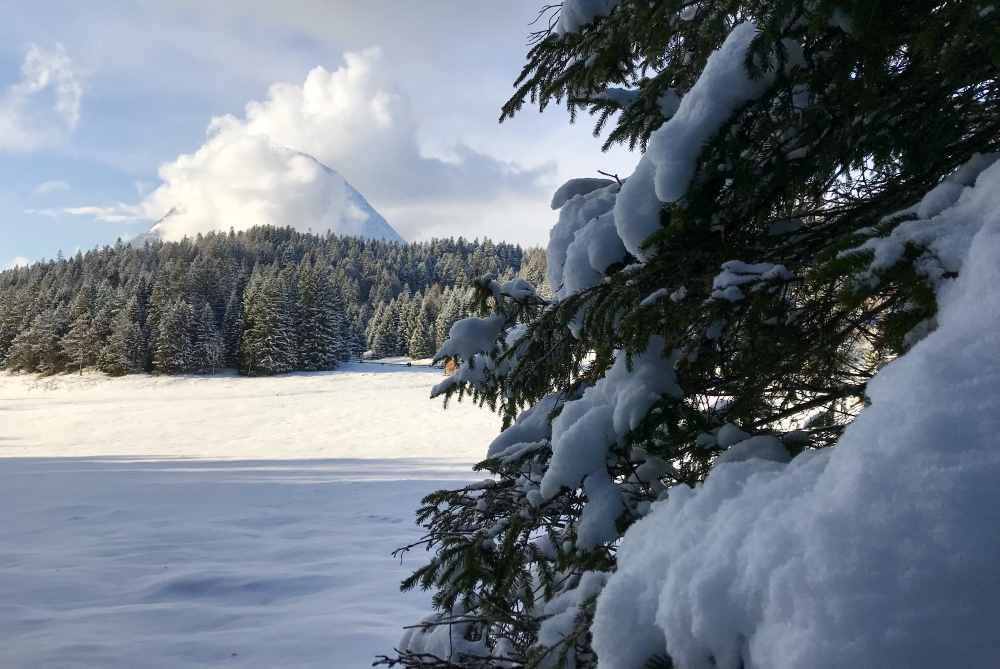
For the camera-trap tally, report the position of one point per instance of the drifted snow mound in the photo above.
(241, 181)
(880, 552)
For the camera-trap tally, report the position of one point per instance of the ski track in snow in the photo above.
(218, 521)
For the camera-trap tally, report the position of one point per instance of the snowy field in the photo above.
(366, 410)
(193, 522)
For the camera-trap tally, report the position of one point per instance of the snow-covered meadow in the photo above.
(218, 521)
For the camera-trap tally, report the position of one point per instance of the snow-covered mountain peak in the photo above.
(251, 181)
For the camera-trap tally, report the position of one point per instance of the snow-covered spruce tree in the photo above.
(268, 343)
(784, 235)
(173, 350)
(232, 328)
(319, 325)
(78, 343)
(207, 342)
(127, 347)
(37, 347)
(421, 344)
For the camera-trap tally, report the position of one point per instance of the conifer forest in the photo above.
(265, 302)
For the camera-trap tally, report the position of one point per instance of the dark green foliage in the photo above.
(173, 350)
(106, 308)
(883, 102)
(268, 342)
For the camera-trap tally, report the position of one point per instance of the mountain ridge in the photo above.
(353, 217)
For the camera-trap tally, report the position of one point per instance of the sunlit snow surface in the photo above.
(217, 521)
(366, 410)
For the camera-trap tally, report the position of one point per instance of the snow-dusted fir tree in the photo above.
(384, 331)
(320, 324)
(811, 178)
(37, 347)
(78, 343)
(421, 344)
(344, 343)
(127, 348)
(232, 329)
(206, 341)
(173, 350)
(453, 308)
(268, 344)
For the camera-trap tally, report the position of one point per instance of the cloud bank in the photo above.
(44, 105)
(259, 169)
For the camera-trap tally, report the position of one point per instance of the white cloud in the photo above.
(48, 187)
(251, 170)
(240, 180)
(261, 168)
(119, 212)
(17, 261)
(44, 105)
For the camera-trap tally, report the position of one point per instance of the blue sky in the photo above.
(95, 98)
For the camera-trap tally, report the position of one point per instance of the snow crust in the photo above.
(188, 522)
(113, 563)
(879, 552)
(666, 169)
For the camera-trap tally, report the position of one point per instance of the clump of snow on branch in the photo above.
(587, 428)
(475, 342)
(439, 637)
(532, 425)
(563, 610)
(517, 289)
(946, 219)
(575, 187)
(575, 14)
(878, 552)
(665, 171)
(470, 336)
(762, 447)
(584, 219)
(727, 284)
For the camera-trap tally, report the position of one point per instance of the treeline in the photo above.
(264, 301)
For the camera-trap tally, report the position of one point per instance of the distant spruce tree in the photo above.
(207, 343)
(127, 348)
(321, 320)
(232, 329)
(173, 351)
(268, 345)
(37, 347)
(79, 344)
(421, 343)
(453, 308)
